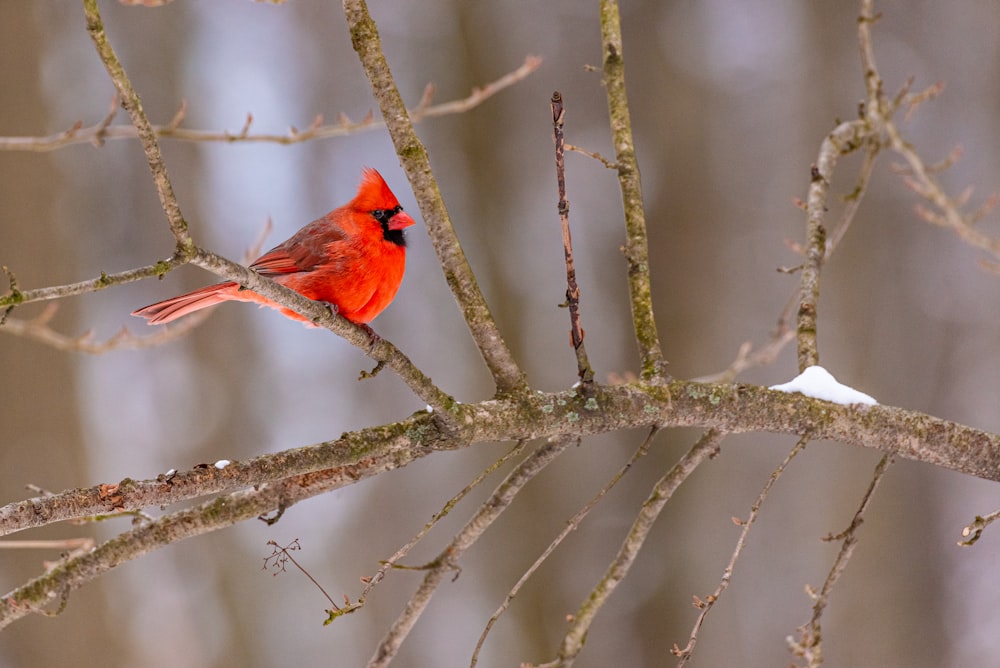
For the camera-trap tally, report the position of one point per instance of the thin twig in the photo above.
(947, 211)
(809, 646)
(662, 491)
(976, 528)
(280, 554)
(854, 198)
(576, 333)
(571, 525)
(391, 562)
(591, 154)
(709, 601)
(92, 285)
(447, 560)
(103, 130)
(38, 329)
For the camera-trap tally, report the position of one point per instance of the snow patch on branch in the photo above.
(818, 383)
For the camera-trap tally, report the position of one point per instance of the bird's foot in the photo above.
(374, 339)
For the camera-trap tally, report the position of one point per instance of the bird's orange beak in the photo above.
(401, 220)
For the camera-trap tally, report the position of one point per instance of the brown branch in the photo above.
(401, 553)
(571, 525)
(103, 130)
(809, 645)
(584, 371)
(662, 491)
(131, 103)
(507, 375)
(636, 249)
(38, 330)
(16, 297)
(726, 408)
(591, 154)
(447, 560)
(845, 138)
(709, 601)
(73, 572)
(976, 527)
(739, 408)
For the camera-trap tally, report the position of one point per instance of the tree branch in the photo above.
(414, 159)
(738, 408)
(662, 492)
(447, 560)
(102, 130)
(576, 333)
(636, 245)
(133, 105)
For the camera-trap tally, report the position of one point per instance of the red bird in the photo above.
(352, 258)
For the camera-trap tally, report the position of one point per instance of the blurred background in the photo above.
(729, 102)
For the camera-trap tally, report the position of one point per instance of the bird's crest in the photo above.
(373, 193)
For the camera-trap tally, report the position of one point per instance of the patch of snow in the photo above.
(818, 383)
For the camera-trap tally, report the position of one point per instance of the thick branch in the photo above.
(731, 408)
(75, 571)
(636, 244)
(415, 161)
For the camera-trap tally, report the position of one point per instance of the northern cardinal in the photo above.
(352, 258)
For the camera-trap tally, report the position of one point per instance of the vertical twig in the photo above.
(576, 332)
(414, 159)
(846, 138)
(636, 244)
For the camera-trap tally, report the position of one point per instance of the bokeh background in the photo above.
(729, 103)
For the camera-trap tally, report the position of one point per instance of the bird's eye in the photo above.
(383, 215)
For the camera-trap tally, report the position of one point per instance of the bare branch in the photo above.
(414, 159)
(809, 645)
(662, 492)
(104, 130)
(130, 101)
(38, 329)
(727, 408)
(447, 560)
(709, 602)
(636, 244)
(976, 528)
(571, 525)
(576, 332)
(401, 553)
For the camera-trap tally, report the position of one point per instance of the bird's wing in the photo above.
(304, 251)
